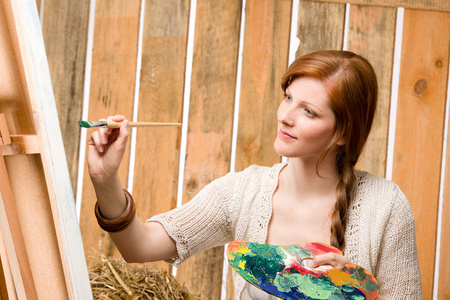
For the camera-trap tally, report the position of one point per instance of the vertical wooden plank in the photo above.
(320, 26)
(265, 59)
(111, 92)
(371, 34)
(420, 124)
(65, 35)
(444, 259)
(161, 100)
(210, 123)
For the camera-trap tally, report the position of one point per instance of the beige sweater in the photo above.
(380, 234)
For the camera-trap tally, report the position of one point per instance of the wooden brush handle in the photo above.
(112, 124)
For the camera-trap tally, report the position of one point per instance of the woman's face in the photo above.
(306, 122)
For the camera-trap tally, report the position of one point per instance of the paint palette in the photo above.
(283, 272)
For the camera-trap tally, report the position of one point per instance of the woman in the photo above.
(317, 196)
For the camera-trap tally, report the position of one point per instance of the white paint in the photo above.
(346, 25)
(84, 115)
(441, 194)
(186, 101)
(237, 99)
(394, 92)
(136, 99)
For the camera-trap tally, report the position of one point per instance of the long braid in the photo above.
(352, 87)
(343, 192)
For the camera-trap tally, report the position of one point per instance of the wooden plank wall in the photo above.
(411, 112)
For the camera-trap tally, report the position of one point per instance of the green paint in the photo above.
(369, 286)
(261, 266)
(308, 285)
(84, 124)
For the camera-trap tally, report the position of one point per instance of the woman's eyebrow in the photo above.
(287, 92)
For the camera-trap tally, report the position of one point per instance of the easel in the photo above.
(41, 253)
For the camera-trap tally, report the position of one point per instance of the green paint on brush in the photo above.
(84, 124)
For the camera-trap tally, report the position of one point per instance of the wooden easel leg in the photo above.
(13, 238)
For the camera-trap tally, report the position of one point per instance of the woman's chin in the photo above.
(283, 152)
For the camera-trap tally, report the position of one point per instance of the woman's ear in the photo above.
(341, 142)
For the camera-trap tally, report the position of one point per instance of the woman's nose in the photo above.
(286, 116)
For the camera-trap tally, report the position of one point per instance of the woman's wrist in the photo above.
(123, 221)
(110, 198)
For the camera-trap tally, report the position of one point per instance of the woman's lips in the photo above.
(285, 135)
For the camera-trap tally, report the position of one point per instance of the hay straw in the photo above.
(113, 279)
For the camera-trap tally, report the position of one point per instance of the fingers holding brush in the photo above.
(106, 148)
(109, 135)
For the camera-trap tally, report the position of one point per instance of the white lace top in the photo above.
(380, 233)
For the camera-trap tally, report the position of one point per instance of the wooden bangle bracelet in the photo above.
(123, 221)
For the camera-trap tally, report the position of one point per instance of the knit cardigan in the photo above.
(379, 235)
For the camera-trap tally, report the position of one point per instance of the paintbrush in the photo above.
(111, 124)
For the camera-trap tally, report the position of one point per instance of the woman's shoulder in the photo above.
(367, 182)
(377, 192)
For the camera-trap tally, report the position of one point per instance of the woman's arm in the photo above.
(397, 269)
(140, 242)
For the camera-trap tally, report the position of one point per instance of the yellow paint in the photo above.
(242, 264)
(340, 278)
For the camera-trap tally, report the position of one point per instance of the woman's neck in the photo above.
(301, 178)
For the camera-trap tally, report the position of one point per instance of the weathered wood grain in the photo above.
(211, 109)
(420, 124)
(160, 99)
(65, 35)
(371, 34)
(436, 5)
(320, 26)
(111, 92)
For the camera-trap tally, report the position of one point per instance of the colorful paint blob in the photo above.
(283, 272)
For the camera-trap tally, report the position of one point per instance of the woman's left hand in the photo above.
(330, 258)
(335, 260)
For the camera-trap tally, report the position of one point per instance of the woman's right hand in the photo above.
(106, 148)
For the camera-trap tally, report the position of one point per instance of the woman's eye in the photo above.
(310, 113)
(288, 98)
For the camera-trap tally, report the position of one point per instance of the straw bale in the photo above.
(115, 279)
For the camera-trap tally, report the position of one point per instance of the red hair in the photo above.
(352, 87)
